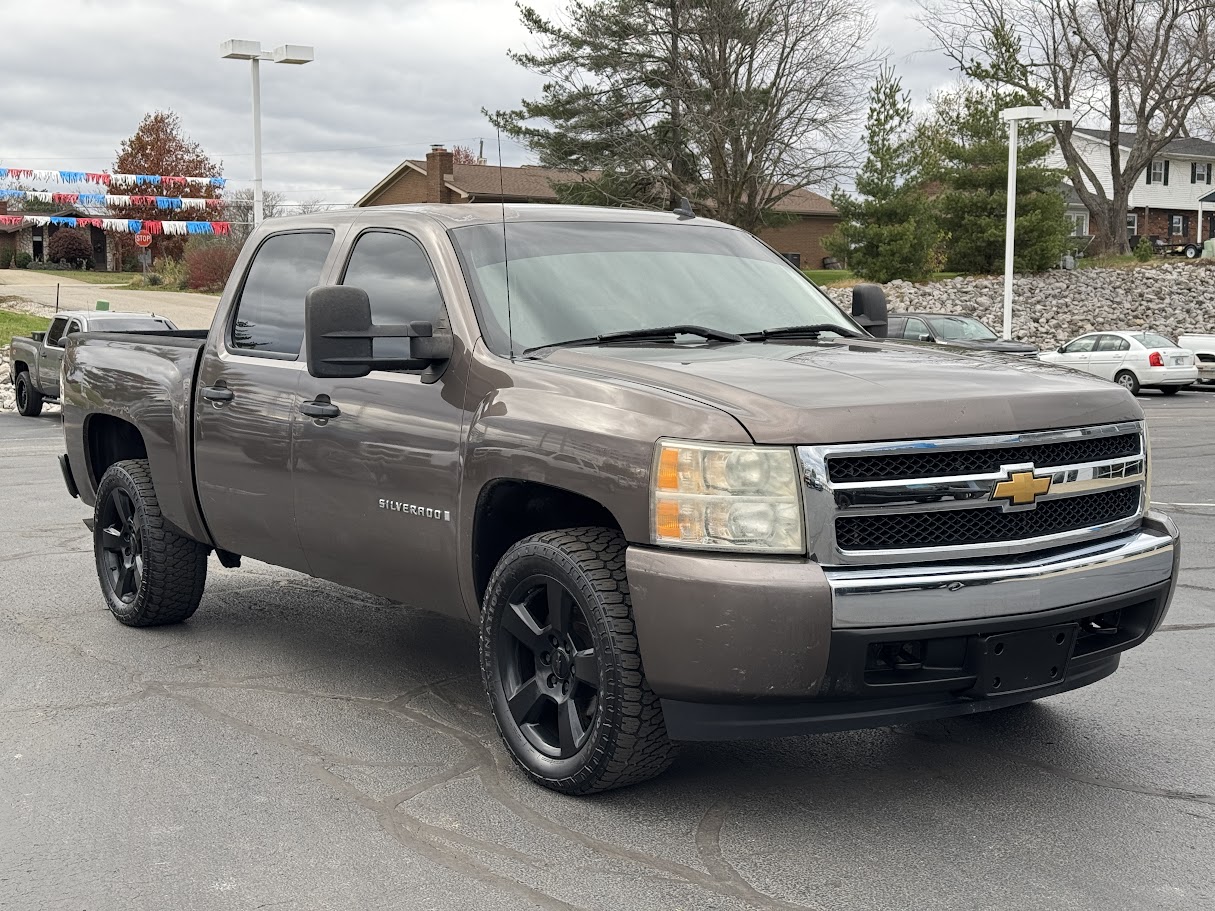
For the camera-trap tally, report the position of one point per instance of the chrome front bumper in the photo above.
(943, 593)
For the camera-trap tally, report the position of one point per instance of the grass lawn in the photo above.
(19, 324)
(92, 278)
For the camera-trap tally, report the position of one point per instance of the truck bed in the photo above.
(145, 379)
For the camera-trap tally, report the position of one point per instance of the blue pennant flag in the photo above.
(168, 202)
(134, 225)
(71, 176)
(12, 194)
(198, 227)
(217, 181)
(91, 199)
(141, 179)
(3, 172)
(64, 221)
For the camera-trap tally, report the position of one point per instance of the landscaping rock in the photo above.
(1049, 309)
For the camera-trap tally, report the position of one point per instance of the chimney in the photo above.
(440, 164)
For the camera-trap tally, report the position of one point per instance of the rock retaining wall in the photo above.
(1048, 309)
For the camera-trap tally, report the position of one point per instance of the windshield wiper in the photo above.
(812, 331)
(658, 334)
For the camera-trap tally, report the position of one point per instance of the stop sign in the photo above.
(143, 239)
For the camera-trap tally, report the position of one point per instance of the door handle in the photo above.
(320, 409)
(218, 394)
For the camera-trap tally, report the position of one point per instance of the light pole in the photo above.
(1013, 117)
(234, 49)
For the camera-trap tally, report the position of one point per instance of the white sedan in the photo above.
(1132, 358)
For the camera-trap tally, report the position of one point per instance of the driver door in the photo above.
(51, 357)
(1078, 353)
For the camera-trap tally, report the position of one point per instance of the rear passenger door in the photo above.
(376, 485)
(245, 400)
(1108, 354)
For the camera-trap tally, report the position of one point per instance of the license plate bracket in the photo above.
(1024, 659)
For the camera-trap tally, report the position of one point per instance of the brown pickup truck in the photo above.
(684, 496)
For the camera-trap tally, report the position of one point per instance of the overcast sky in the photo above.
(390, 78)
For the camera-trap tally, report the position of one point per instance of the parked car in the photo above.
(682, 494)
(33, 362)
(1203, 347)
(954, 331)
(1134, 358)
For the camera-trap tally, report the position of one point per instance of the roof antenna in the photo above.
(684, 209)
(510, 335)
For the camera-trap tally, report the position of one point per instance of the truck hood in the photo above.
(998, 345)
(863, 390)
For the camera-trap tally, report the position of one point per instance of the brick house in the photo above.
(438, 179)
(1167, 198)
(33, 239)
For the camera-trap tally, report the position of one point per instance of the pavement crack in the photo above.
(1179, 627)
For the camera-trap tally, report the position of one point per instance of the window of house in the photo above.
(1132, 224)
(1079, 223)
(1176, 225)
(269, 315)
(1158, 171)
(1200, 172)
(395, 272)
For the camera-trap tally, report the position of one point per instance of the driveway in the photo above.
(297, 745)
(187, 310)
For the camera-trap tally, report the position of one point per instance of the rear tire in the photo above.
(1128, 381)
(1170, 390)
(1191, 252)
(29, 399)
(150, 575)
(561, 665)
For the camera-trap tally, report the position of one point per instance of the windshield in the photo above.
(1152, 340)
(951, 328)
(129, 325)
(577, 279)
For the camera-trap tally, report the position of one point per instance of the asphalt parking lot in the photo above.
(297, 745)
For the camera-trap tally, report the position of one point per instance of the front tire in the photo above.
(561, 665)
(1170, 390)
(150, 575)
(1192, 252)
(1128, 381)
(29, 399)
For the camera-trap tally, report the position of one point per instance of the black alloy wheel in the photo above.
(29, 399)
(548, 667)
(122, 546)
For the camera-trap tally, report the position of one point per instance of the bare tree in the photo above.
(731, 103)
(1140, 66)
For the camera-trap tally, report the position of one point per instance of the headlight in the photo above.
(721, 497)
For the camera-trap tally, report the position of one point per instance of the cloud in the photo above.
(389, 79)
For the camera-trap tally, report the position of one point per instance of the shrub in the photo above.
(209, 263)
(22, 260)
(70, 245)
(6, 261)
(1144, 249)
(153, 279)
(172, 273)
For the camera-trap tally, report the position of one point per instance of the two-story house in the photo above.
(1167, 199)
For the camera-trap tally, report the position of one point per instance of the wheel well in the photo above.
(108, 440)
(509, 511)
(18, 366)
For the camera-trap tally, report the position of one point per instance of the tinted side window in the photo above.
(1111, 343)
(894, 326)
(55, 332)
(394, 271)
(915, 328)
(1081, 345)
(270, 310)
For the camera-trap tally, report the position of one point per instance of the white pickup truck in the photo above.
(1203, 347)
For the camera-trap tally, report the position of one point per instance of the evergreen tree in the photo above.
(969, 148)
(887, 231)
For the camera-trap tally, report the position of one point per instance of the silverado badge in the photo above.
(1021, 488)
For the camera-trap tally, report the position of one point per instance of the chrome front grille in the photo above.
(957, 498)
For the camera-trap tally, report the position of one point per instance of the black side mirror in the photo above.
(869, 308)
(338, 327)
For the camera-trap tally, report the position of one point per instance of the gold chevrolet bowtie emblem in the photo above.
(1021, 488)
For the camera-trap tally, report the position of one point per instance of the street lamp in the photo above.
(234, 49)
(1013, 117)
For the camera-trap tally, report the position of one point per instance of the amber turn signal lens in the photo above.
(666, 520)
(668, 470)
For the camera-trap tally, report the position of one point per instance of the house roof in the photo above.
(535, 183)
(1183, 147)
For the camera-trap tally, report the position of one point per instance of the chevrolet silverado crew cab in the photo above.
(33, 362)
(684, 496)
